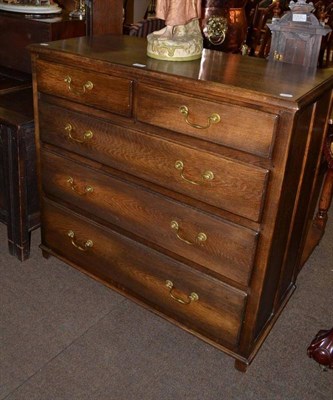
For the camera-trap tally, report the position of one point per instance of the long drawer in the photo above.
(85, 87)
(242, 128)
(197, 301)
(225, 248)
(222, 182)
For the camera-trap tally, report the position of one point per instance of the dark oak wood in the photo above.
(229, 252)
(19, 200)
(104, 16)
(148, 279)
(17, 32)
(12, 80)
(226, 225)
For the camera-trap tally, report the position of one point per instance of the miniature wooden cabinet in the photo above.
(297, 36)
(184, 186)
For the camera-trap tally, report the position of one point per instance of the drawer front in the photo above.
(238, 127)
(86, 87)
(221, 182)
(225, 248)
(214, 310)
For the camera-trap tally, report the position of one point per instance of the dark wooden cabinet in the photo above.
(19, 204)
(297, 36)
(17, 31)
(185, 186)
(104, 16)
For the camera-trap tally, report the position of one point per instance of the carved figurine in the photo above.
(181, 38)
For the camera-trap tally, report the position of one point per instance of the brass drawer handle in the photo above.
(212, 119)
(81, 90)
(192, 297)
(87, 189)
(200, 238)
(86, 245)
(206, 176)
(86, 136)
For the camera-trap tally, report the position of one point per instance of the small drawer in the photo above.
(221, 182)
(198, 302)
(218, 245)
(86, 87)
(234, 126)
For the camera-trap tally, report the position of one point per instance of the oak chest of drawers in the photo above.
(185, 186)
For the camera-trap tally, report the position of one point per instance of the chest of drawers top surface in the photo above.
(243, 77)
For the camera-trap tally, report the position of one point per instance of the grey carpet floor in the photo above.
(66, 337)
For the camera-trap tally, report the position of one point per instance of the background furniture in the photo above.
(188, 190)
(136, 10)
(297, 36)
(11, 81)
(259, 35)
(19, 201)
(260, 15)
(17, 32)
(143, 27)
(104, 16)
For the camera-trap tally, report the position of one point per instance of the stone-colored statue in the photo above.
(181, 39)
